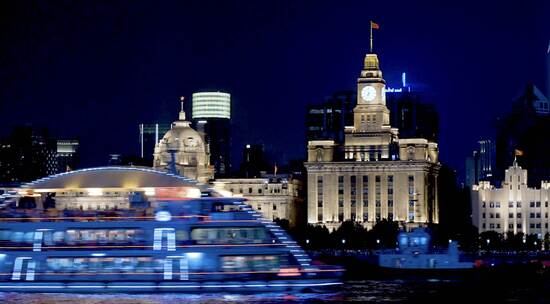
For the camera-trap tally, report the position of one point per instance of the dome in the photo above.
(182, 150)
(182, 136)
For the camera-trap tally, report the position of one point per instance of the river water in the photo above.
(413, 290)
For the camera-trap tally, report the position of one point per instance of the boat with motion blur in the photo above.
(129, 229)
(415, 256)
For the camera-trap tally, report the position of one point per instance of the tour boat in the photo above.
(128, 229)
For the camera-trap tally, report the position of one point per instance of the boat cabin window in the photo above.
(250, 263)
(229, 235)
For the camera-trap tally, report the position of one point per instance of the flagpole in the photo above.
(371, 36)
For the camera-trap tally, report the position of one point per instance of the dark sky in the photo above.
(94, 70)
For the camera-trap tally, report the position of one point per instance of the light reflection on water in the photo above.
(358, 291)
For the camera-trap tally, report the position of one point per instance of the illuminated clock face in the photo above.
(368, 93)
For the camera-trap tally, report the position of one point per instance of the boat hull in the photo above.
(175, 287)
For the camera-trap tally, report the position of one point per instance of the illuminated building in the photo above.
(480, 166)
(149, 136)
(374, 174)
(328, 120)
(514, 207)
(27, 154)
(183, 150)
(408, 113)
(275, 197)
(523, 129)
(411, 116)
(67, 155)
(211, 113)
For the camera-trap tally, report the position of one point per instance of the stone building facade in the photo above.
(183, 150)
(373, 175)
(512, 208)
(275, 197)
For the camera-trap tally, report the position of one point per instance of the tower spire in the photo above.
(182, 112)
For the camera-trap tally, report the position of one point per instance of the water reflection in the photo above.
(357, 291)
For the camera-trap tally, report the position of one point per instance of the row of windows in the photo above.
(518, 226)
(143, 264)
(511, 204)
(76, 237)
(259, 191)
(222, 235)
(518, 215)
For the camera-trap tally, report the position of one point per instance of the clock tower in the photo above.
(371, 113)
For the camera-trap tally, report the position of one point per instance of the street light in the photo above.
(343, 241)
(307, 241)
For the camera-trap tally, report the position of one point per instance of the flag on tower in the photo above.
(374, 25)
(518, 152)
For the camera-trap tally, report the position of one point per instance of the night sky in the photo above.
(94, 70)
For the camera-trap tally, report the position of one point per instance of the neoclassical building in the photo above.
(184, 148)
(512, 208)
(276, 197)
(374, 175)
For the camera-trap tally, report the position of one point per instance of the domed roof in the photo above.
(111, 177)
(183, 133)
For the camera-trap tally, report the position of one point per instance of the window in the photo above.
(518, 204)
(390, 191)
(249, 190)
(538, 214)
(492, 226)
(274, 207)
(511, 205)
(537, 204)
(320, 198)
(518, 215)
(519, 225)
(483, 215)
(483, 205)
(497, 215)
(497, 205)
(510, 215)
(510, 226)
(531, 215)
(532, 204)
(532, 226)
(483, 225)
(498, 226)
(491, 215)
(491, 205)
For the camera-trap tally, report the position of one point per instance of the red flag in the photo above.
(374, 25)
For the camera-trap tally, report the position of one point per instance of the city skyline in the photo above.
(104, 64)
